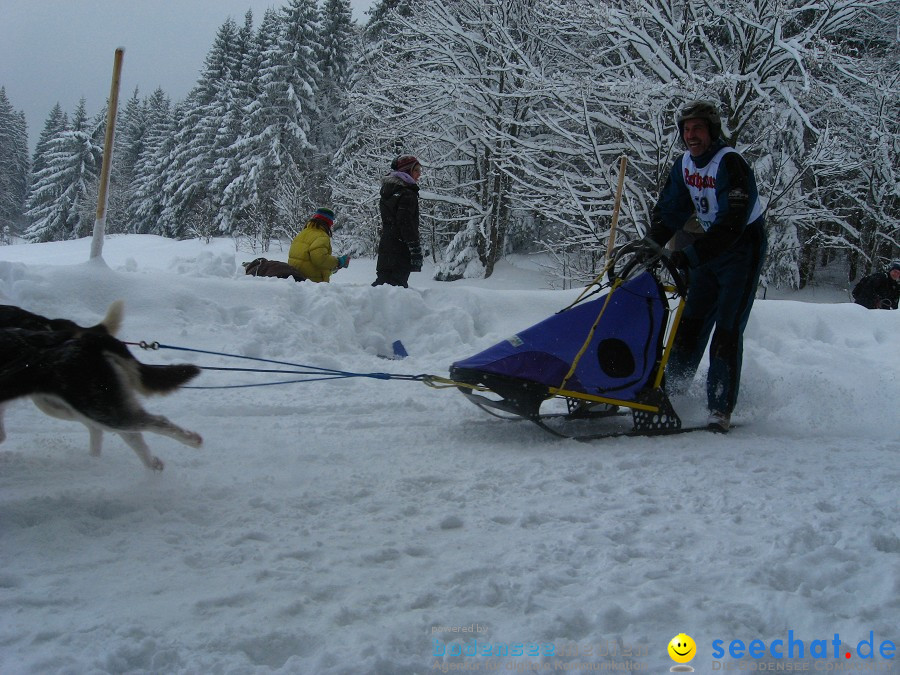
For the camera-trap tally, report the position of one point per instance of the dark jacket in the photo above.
(399, 249)
(720, 188)
(736, 192)
(877, 291)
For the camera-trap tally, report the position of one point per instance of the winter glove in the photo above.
(646, 250)
(680, 260)
(343, 261)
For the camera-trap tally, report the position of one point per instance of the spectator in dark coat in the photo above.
(880, 290)
(399, 250)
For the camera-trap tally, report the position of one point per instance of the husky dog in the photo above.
(16, 317)
(88, 375)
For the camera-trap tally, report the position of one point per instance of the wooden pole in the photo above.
(103, 194)
(623, 161)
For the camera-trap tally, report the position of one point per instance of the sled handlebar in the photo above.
(644, 254)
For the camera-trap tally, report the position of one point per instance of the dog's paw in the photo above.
(194, 439)
(156, 464)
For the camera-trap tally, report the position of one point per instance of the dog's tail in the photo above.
(163, 379)
(112, 321)
(147, 379)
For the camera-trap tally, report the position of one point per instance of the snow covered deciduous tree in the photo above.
(366, 148)
(855, 184)
(453, 83)
(767, 63)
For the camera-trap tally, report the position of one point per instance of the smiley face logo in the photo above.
(682, 648)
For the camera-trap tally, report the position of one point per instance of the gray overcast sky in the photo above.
(60, 50)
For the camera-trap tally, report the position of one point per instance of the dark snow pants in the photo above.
(720, 293)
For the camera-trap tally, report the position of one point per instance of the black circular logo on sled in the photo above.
(615, 358)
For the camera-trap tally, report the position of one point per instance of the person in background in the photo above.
(712, 181)
(399, 249)
(879, 290)
(310, 251)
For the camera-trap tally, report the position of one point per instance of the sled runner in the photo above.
(591, 359)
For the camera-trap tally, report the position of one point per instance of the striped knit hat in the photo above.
(404, 163)
(324, 215)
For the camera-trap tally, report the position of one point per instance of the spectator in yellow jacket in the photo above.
(310, 252)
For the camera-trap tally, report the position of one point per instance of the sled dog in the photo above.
(16, 317)
(88, 375)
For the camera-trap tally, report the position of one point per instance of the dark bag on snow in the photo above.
(272, 268)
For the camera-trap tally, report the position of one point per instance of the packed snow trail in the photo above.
(350, 526)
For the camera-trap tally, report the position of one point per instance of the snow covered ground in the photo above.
(371, 526)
